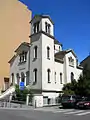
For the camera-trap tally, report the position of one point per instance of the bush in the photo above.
(21, 94)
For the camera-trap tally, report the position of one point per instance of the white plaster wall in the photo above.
(38, 101)
(57, 49)
(58, 70)
(50, 94)
(43, 25)
(70, 69)
(18, 68)
(36, 41)
(47, 64)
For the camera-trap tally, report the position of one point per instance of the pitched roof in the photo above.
(86, 59)
(22, 44)
(57, 42)
(12, 59)
(61, 54)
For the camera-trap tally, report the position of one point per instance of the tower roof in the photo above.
(42, 16)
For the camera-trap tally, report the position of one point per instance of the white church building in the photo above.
(42, 64)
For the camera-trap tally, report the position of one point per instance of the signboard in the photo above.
(21, 86)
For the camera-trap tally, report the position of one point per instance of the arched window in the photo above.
(27, 78)
(22, 77)
(72, 76)
(48, 53)
(36, 27)
(35, 75)
(54, 47)
(47, 27)
(55, 77)
(18, 78)
(59, 48)
(60, 78)
(35, 52)
(48, 75)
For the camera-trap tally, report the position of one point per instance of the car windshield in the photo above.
(66, 97)
(86, 99)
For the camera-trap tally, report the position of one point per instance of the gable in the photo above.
(71, 55)
(22, 47)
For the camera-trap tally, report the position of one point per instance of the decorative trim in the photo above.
(40, 91)
(47, 35)
(34, 59)
(71, 66)
(59, 60)
(80, 67)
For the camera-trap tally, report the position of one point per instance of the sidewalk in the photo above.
(25, 107)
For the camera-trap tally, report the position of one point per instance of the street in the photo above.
(43, 114)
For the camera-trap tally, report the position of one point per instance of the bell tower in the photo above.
(42, 53)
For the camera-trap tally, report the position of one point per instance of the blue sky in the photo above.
(72, 22)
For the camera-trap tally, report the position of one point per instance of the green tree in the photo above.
(70, 88)
(21, 94)
(80, 87)
(83, 87)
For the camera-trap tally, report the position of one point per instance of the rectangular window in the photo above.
(71, 61)
(23, 57)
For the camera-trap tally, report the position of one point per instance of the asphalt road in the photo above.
(44, 114)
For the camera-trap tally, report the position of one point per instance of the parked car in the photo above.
(70, 101)
(84, 104)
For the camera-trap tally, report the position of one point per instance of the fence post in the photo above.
(27, 99)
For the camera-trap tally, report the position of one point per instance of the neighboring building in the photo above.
(42, 64)
(14, 29)
(86, 62)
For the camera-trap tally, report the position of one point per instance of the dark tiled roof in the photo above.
(57, 42)
(42, 16)
(65, 52)
(12, 59)
(24, 43)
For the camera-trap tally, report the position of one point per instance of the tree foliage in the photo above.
(69, 88)
(80, 87)
(21, 94)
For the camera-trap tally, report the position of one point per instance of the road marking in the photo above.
(75, 112)
(54, 111)
(62, 111)
(85, 113)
